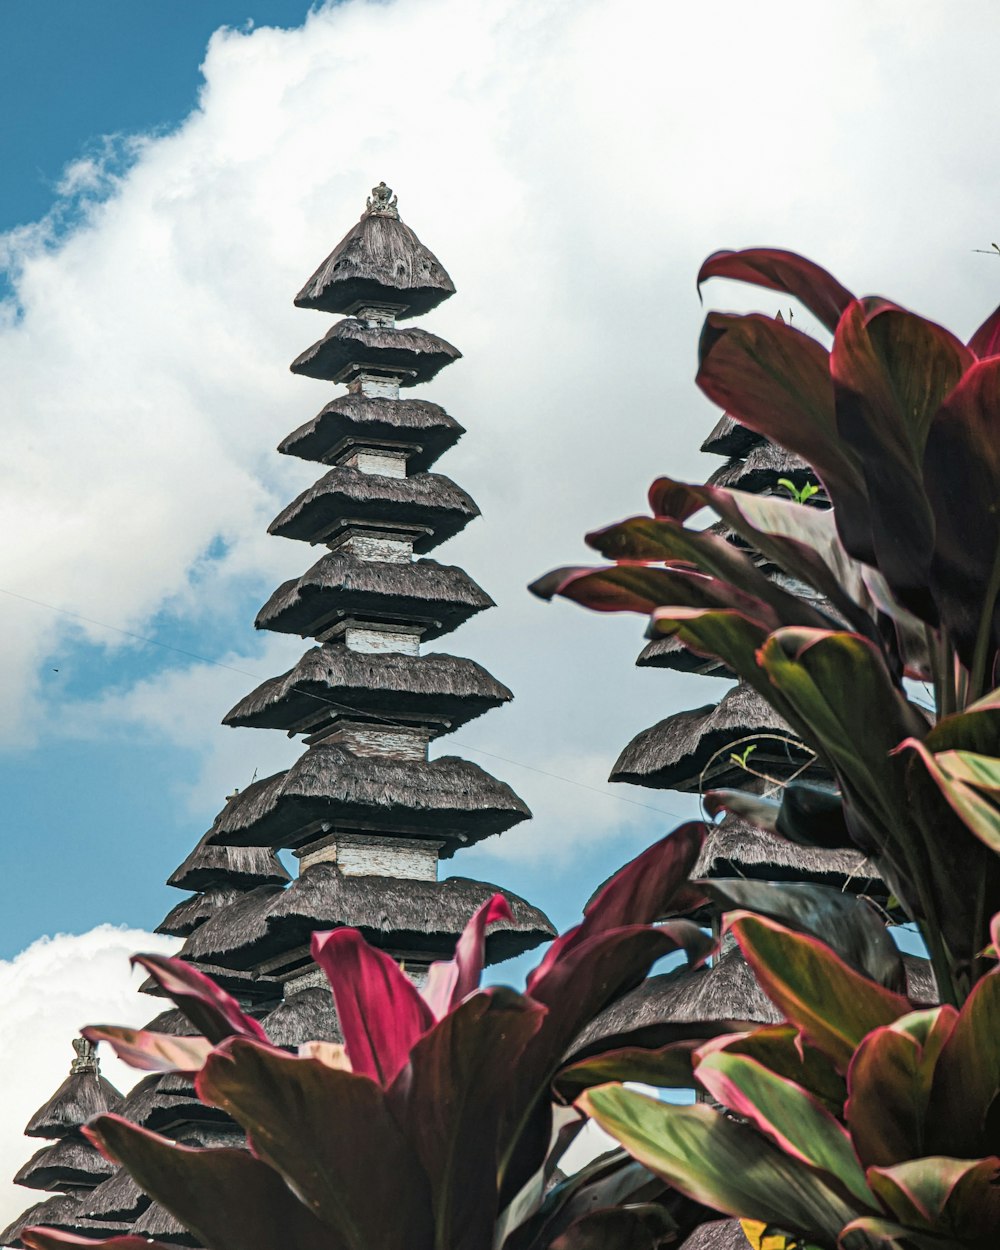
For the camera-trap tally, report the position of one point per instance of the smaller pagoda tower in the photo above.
(70, 1168)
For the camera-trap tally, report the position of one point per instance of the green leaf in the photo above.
(782, 1050)
(790, 1116)
(722, 1163)
(834, 1006)
(260, 1212)
(845, 923)
(957, 1199)
(981, 771)
(331, 1136)
(966, 1077)
(879, 1234)
(668, 1067)
(977, 813)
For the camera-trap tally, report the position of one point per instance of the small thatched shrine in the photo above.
(364, 810)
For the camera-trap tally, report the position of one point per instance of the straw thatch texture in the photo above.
(351, 347)
(72, 1163)
(423, 429)
(81, 1096)
(716, 1235)
(448, 798)
(61, 1211)
(160, 1102)
(690, 750)
(307, 1016)
(430, 503)
(761, 468)
(393, 913)
(670, 652)
(191, 912)
(210, 866)
(174, 1022)
(730, 438)
(158, 1224)
(446, 690)
(250, 988)
(439, 597)
(380, 260)
(119, 1197)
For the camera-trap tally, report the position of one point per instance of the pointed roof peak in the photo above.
(382, 203)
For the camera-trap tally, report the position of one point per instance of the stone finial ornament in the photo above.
(382, 202)
(86, 1056)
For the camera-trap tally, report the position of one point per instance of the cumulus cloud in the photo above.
(49, 992)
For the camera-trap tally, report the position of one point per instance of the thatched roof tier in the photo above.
(352, 347)
(436, 597)
(760, 470)
(172, 1021)
(690, 751)
(716, 1235)
(670, 652)
(379, 261)
(210, 866)
(392, 913)
(257, 991)
(157, 1224)
(449, 799)
(429, 505)
(191, 912)
(437, 690)
(422, 429)
(735, 848)
(119, 1197)
(72, 1163)
(730, 438)
(81, 1096)
(307, 1016)
(61, 1211)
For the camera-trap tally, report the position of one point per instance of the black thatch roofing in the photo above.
(730, 438)
(72, 1163)
(674, 754)
(172, 1021)
(156, 1223)
(352, 347)
(422, 428)
(119, 1197)
(161, 1102)
(307, 1016)
(428, 503)
(380, 260)
(449, 799)
(441, 691)
(191, 912)
(81, 1096)
(61, 1211)
(670, 652)
(736, 848)
(391, 912)
(231, 867)
(257, 991)
(716, 1235)
(761, 468)
(437, 597)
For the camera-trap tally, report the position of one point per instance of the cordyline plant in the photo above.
(901, 423)
(865, 1120)
(438, 1124)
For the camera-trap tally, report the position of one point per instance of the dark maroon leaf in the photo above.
(330, 1134)
(260, 1212)
(450, 981)
(380, 1011)
(213, 1012)
(986, 340)
(778, 270)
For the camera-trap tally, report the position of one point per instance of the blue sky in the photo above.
(571, 164)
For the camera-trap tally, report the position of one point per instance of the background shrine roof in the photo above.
(670, 652)
(232, 867)
(191, 912)
(730, 438)
(353, 418)
(385, 683)
(429, 503)
(389, 911)
(80, 1096)
(306, 1016)
(72, 1163)
(378, 260)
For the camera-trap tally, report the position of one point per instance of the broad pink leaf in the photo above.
(787, 272)
(986, 340)
(450, 981)
(51, 1239)
(834, 1006)
(960, 1196)
(151, 1052)
(380, 1011)
(210, 1009)
(977, 813)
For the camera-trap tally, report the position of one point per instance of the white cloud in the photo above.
(49, 992)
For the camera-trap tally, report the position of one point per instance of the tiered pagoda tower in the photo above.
(364, 810)
(70, 1168)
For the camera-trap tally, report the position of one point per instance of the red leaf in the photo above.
(210, 1009)
(50, 1239)
(381, 1013)
(450, 981)
(986, 340)
(778, 270)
